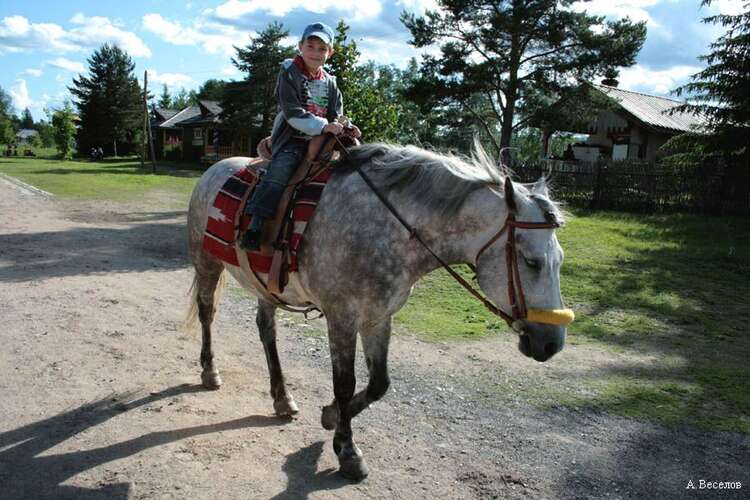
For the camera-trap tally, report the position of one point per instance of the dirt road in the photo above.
(99, 394)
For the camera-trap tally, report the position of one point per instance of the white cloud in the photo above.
(386, 51)
(636, 10)
(213, 37)
(67, 65)
(19, 34)
(362, 9)
(660, 82)
(19, 93)
(32, 72)
(171, 79)
(729, 7)
(418, 6)
(230, 70)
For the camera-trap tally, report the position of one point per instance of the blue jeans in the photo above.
(267, 194)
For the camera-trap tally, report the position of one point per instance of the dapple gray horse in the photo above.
(358, 264)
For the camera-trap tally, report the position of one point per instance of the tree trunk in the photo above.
(114, 142)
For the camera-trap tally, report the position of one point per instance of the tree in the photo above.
(211, 90)
(27, 121)
(46, 131)
(182, 99)
(250, 105)
(7, 132)
(64, 125)
(109, 102)
(165, 99)
(365, 102)
(504, 56)
(721, 92)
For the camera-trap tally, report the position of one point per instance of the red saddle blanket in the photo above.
(225, 219)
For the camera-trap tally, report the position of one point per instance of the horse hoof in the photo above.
(285, 407)
(329, 416)
(351, 464)
(211, 379)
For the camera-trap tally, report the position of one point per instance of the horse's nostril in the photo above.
(550, 349)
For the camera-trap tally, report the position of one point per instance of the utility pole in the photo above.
(145, 117)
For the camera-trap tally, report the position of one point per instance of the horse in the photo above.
(358, 264)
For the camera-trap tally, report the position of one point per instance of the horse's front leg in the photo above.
(375, 340)
(342, 338)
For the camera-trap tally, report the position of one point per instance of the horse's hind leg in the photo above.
(375, 340)
(283, 403)
(208, 279)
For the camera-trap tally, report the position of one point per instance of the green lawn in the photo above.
(112, 179)
(672, 289)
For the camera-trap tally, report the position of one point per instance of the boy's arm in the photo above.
(294, 113)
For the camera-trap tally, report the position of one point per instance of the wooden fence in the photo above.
(644, 186)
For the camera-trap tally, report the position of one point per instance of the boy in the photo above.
(309, 104)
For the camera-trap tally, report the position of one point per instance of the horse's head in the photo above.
(520, 270)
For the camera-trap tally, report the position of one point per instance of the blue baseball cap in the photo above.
(319, 30)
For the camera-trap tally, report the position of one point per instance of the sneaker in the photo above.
(250, 241)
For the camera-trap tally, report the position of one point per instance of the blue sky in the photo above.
(45, 43)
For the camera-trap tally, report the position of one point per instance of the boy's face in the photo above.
(315, 53)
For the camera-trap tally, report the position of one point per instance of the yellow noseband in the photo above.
(561, 317)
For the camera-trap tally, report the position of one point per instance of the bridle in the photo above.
(516, 296)
(515, 288)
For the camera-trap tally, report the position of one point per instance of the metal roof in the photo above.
(652, 110)
(185, 114)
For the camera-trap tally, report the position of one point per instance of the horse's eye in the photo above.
(533, 264)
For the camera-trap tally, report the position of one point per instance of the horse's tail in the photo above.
(190, 324)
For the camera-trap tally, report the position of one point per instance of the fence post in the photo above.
(596, 195)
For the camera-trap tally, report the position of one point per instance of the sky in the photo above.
(44, 44)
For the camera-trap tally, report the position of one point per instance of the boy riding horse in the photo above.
(309, 104)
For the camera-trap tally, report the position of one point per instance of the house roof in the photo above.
(181, 116)
(165, 114)
(205, 112)
(25, 133)
(652, 110)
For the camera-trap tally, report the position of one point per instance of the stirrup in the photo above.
(250, 240)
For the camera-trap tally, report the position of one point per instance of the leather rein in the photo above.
(515, 288)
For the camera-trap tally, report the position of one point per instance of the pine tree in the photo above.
(165, 99)
(721, 92)
(27, 121)
(211, 90)
(250, 105)
(499, 56)
(109, 102)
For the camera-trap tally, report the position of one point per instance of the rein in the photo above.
(515, 288)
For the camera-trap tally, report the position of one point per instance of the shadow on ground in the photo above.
(91, 250)
(26, 474)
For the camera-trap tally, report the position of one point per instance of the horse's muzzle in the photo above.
(541, 342)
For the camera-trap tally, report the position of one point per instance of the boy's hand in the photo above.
(333, 128)
(356, 132)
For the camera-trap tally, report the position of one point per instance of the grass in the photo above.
(671, 289)
(111, 179)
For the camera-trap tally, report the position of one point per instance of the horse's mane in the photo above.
(441, 181)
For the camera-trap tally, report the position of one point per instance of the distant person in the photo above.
(569, 155)
(99, 153)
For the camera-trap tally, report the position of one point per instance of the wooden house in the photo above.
(633, 126)
(195, 133)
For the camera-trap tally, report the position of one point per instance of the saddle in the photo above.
(277, 233)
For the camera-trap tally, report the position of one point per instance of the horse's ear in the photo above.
(540, 188)
(510, 195)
